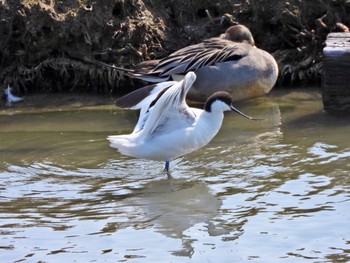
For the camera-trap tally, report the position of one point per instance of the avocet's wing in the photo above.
(170, 110)
(143, 99)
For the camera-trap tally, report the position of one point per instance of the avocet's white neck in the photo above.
(209, 124)
(219, 106)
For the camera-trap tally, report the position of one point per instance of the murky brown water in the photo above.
(270, 191)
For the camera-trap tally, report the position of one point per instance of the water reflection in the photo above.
(276, 190)
(175, 206)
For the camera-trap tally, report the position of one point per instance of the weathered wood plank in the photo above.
(336, 74)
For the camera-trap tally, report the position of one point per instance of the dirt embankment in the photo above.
(39, 39)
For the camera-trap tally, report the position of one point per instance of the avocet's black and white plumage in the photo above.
(169, 128)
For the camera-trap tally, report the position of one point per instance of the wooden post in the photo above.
(336, 73)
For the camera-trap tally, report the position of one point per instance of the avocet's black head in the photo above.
(222, 101)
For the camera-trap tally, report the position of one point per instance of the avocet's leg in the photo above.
(170, 178)
(166, 168)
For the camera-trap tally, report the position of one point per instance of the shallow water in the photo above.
(271, 191)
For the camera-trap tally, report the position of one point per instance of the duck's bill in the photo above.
(244, 115)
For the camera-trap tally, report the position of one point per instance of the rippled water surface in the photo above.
(271, 191)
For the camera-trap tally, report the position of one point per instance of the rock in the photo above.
(336, 76)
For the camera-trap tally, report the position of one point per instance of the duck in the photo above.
(168, 128)
(230, 62)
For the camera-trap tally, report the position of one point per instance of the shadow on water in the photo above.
(264, 191)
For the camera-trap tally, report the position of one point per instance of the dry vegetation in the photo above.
(48, 45)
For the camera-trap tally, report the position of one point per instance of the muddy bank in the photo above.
(40, 37)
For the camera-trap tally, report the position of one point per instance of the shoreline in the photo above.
(57, 101)
(70, 101)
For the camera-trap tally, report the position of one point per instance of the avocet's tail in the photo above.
(123, 143)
